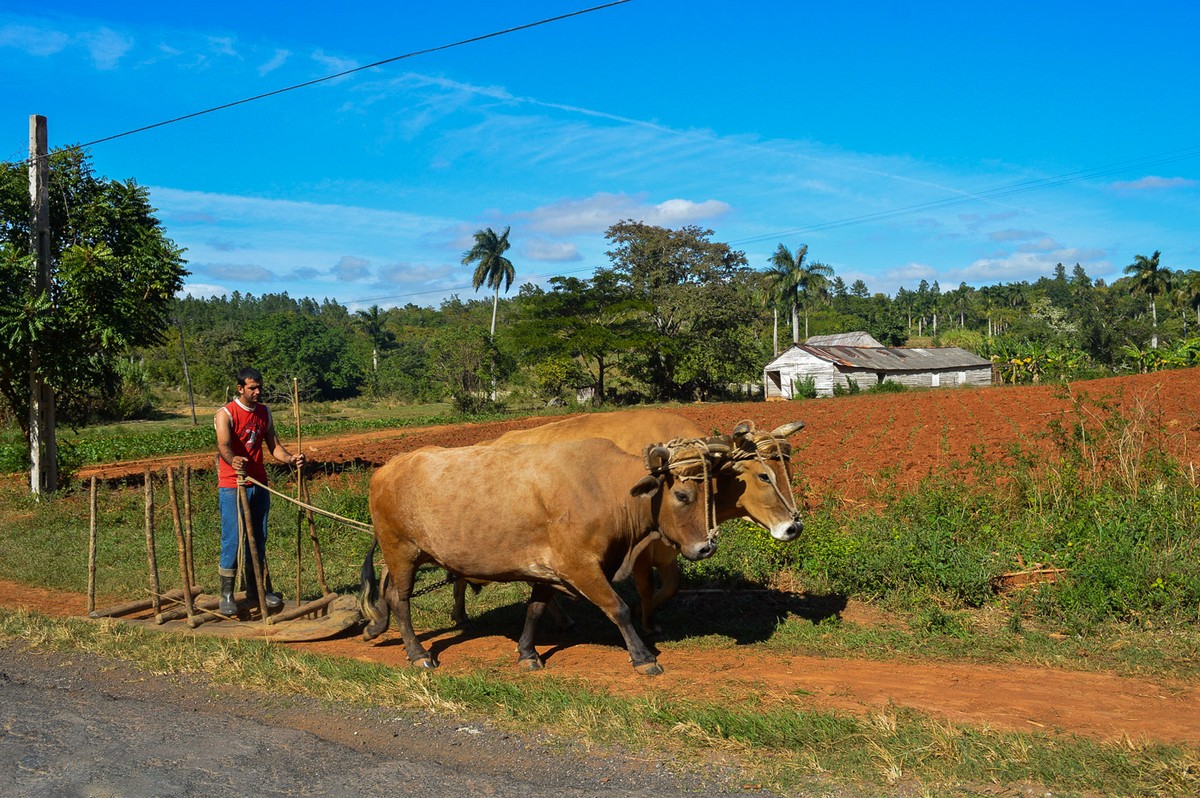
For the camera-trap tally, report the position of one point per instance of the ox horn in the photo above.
(657, 456)
(784, 430)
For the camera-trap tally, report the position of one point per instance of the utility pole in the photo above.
(43, 451)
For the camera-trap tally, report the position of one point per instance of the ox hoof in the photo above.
(425, 663)
(530, 664)
(650, 668)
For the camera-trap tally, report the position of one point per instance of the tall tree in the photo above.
(805, 281)
(373, 323)
(1150, 279)
(677, 272)
(491, 268)
(113, 275)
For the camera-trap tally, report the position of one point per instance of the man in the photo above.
(244, 428)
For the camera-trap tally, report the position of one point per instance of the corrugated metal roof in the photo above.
(896, 358)
(859, 338)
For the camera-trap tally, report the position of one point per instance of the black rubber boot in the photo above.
(274, 600)
(227, 605)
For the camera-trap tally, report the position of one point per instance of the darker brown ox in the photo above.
(754, 482)
(562, 516)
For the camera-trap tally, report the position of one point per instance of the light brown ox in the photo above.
(755, 483)
(565, 515)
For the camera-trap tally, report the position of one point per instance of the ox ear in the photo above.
(784, 430)
(743, 428)
(646, 486)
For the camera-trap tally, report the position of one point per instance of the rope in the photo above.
(317, 510)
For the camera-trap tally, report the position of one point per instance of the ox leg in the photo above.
(643, 580)
(669, 577)
(458, 615)
(527, 656)
(599, 591)
(400, 596)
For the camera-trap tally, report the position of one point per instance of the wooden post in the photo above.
(187, 523)
(92, 549)
(247, 523)
(312, 533)
(182, 547)
(299, 484)
(151, 555)
(43, 454)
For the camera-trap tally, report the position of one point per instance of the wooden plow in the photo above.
(312, 620)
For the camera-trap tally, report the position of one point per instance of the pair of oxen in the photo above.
(572, 506)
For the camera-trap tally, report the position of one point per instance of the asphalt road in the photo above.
(79, 725)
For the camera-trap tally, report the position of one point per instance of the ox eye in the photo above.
(763, 478)
(682, 497)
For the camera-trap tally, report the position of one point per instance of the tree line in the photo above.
(671, 315)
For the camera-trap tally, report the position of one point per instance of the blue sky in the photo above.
(900, 141)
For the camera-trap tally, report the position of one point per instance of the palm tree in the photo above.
(799, 282)
(1151, 280)
(1189, 292)
(492, 268)
(372, 322)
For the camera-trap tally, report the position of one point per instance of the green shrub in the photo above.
(804, 389)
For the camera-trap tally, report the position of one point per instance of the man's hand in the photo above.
(239, 464)
(297, 460)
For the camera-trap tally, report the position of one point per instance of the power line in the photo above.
(342, 74)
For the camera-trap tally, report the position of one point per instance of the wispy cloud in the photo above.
(597, 213)
(33, 40)
(277, 60)
(243, 273)
(1153, 183)
(350, 269)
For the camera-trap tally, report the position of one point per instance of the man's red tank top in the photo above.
(249, 428)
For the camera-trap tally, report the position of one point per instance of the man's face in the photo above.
(249, 392)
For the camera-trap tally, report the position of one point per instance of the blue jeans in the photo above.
(260, 502)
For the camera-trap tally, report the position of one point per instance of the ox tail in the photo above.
(372, 601)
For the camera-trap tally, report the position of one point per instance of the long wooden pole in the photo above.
(151, 555)
(187, 523)
(247, 523)
(181, 546)
(92, 548)
(299, 484)
(43, 455)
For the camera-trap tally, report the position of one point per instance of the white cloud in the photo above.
(351, 269)
(334, 64)
(276, 61)
(1152, 183)
(541, 249)
(600, 211)
(203, 290)
(34, 41)
(106, 47)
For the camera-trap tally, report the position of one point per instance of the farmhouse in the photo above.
(838, 360)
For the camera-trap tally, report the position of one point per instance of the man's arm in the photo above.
(224, 425)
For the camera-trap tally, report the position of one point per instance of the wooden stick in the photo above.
(252, 545)
(312, 533)
(140, 604)
(179, 543)
(299, 481)
(187, 523)
(303, 609)
(151, 555)
(92, 549)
